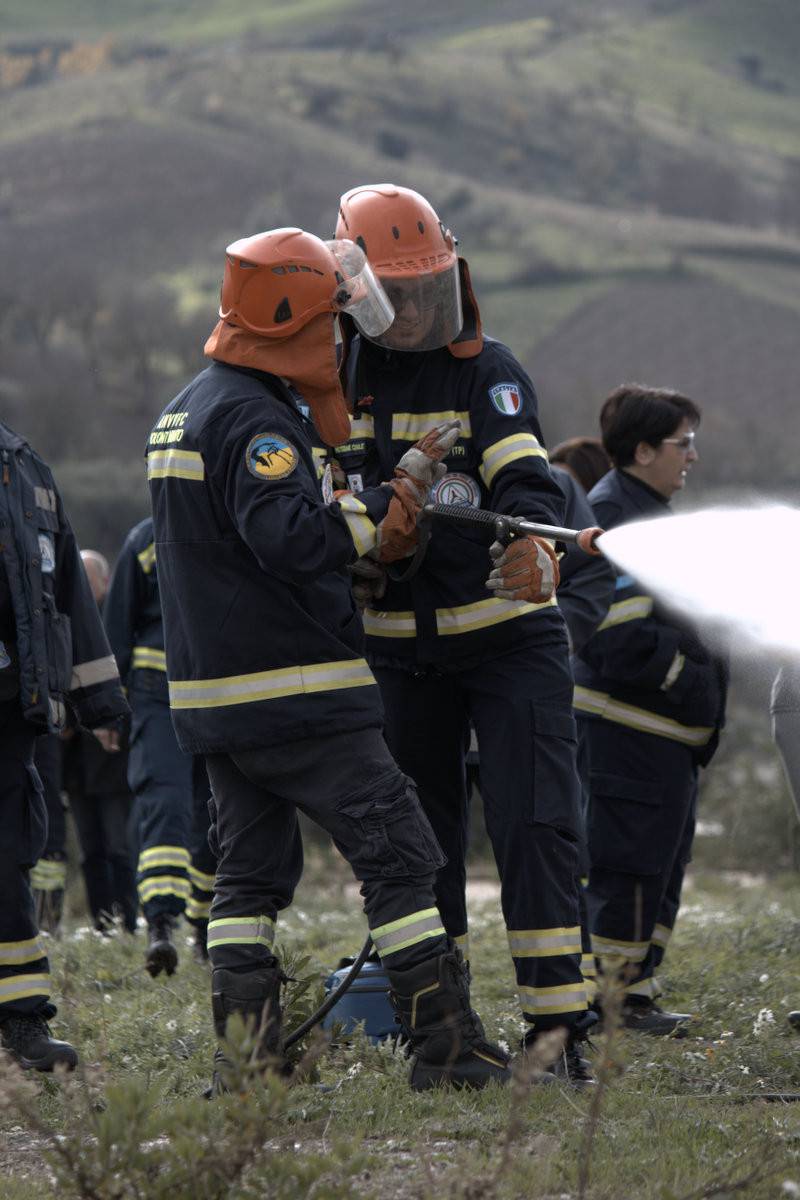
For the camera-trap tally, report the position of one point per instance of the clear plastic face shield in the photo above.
(359, 293)
(427, 310)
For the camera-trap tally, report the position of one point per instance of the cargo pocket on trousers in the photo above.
(138, 771)
(390, 836)
(556, 793)
(624, 824)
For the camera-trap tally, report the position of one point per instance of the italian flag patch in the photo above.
(506, 398)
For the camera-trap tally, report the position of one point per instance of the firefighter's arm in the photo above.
(586, 589)
(259, 467)
(505, 430)
(95, 691)
(123, 604)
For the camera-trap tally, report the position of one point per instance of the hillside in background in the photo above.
(624, 178)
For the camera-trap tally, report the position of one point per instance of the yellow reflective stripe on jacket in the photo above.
(164, 885)
(546, 1001)
(13, 954)
(164, 856)
(48, 875)
(600, 704)
(462, 941)
(544, 943)
(201, 880)
(605, 947)
(362, 427)
(588, 966)
(661, 935)
(149, 658)
(464, 618)
(362, 530)
(23, 987)
(175, 464)
(147, 558)
(508, 450)
(319, 455)
(99, 670)
(270, 685)
(248, 931)
(635, 608)
(407, 931)
(389, 624)
(410, 427)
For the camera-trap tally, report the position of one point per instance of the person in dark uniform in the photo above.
(175, 863)
(53, 652)
(652, 699)
(95, 781)
(264, 645)
(476, 637)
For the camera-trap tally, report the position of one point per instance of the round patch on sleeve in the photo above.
(270, 456)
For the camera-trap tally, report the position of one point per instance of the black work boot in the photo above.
(569, 1066)
(26, 1036)
(200, 941)
(643, 1015)
(256, 997)
(432, 1004)
(161, 952)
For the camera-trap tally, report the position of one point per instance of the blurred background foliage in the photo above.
(623, 177)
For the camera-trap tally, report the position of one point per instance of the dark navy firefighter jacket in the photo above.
(132, 612)
(56, 650)
(445, 615)
(263, 640)
(587, 580)
(646, 667)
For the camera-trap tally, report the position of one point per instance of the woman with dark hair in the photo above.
(584, 458)
(651, 699)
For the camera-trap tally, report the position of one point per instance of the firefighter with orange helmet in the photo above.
(476, 635)
(266, 673)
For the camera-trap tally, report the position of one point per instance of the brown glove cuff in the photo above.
(397, 533)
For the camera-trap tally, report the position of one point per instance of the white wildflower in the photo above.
(765, 1018)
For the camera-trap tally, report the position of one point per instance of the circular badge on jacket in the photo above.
(271, 456)
(455, 488)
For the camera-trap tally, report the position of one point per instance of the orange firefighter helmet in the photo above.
(279, 291)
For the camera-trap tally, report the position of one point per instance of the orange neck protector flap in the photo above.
(307, 359)
(469, 342)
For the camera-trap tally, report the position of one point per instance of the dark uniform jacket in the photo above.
(646, 668)
(587, 581)
(264, 643)
(59, 650)
(445, 615)
(132, 613)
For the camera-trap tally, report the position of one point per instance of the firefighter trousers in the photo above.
(349, 784)
(24, 970)
(171, 801)
(640, 825)
(520, 705)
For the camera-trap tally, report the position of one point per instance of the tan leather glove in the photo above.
(527, 569)
(414, 476)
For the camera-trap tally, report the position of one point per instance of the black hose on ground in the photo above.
(331, 999)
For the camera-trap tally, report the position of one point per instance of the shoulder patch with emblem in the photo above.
(271, 456)
(506, 398)
(455, 488)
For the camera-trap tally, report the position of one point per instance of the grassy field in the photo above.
(680, 1120)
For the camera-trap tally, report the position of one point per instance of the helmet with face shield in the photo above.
(276, 282)
(280, 293)
(414, 257)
